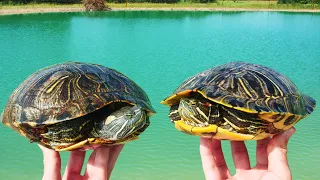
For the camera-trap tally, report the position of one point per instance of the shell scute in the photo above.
(249, 87)
(66, 91)
(254, 102)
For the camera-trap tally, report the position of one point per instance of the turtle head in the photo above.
(122, 123)
(193, 111)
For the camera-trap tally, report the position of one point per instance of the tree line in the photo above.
(299, 1)
(142, 1)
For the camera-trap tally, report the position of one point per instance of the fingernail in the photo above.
(290, 132)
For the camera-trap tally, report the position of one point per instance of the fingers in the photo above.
(98, 164)
(277, 154)
(240, 155)
(114, 152)
(52, 164)
(213, 162)
(261, 153)
(74, 165)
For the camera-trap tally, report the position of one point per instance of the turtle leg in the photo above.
(92, 143)
(68, 132)
(174, 113)
(241, 122)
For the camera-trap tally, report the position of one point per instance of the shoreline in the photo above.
(12, 11)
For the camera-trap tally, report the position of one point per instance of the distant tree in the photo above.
(95, 5)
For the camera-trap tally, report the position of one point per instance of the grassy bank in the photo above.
(219, 6)
(223, 4)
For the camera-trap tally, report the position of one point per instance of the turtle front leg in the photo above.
(174, 113)
(68, 132)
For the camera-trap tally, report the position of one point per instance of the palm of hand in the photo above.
(271, 159)
(255, 173)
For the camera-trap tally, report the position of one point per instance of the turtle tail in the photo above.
(310, 104)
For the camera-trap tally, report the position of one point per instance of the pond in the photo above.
(158, 50)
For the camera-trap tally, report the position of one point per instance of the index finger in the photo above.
(74, 165)
(113, 156)
(213, 162)
(240, 155)
(98, 163)
(51, 163)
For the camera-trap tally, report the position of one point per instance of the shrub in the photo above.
(95, 5)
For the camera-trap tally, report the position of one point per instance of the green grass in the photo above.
(219, 4)
(34, 5)
(222, 4)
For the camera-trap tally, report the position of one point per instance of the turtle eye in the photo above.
(129, 115)
(193, 103)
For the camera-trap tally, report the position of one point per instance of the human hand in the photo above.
(99, 167)
(271, 161)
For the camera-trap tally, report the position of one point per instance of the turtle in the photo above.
(78, 106)
(237, 101)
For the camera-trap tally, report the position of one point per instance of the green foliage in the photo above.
(16, 1)
(39, 1)
(59, 1)
(164, 1)
(208, 1)
(298, 1)
(203, 1)
(142, 1)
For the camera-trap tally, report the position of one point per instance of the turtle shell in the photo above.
(249, 88)
(67, 91)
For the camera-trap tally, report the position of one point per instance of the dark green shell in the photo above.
(249, 87)
(66, 91)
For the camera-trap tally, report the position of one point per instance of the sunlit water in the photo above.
(158, 50)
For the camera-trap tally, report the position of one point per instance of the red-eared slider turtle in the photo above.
(78, 106)
(237, 101)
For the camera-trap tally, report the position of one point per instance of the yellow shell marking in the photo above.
(22, 133)
(73, 147)
(267, 117)
(55, 84)
(97, 141)
(244, 87)
(176, 98)
(228, 105)
(215, 132)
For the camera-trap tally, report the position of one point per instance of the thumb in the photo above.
(277, 154)
(281, 140)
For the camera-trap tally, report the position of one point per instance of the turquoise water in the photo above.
(159, 50)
